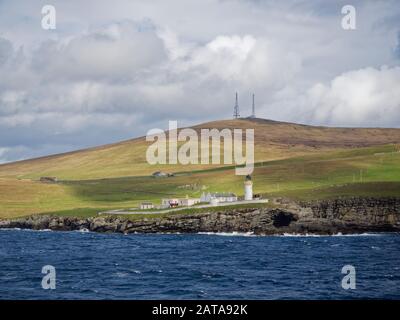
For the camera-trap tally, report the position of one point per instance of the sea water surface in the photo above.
(199, 266)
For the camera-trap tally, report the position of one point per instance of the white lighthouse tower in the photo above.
(248, 188)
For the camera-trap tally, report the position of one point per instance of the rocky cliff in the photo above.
(354, 215)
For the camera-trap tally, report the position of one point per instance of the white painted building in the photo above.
(219, 197)
(146, 205)
(189, 201)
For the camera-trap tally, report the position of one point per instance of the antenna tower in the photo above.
(236, 108)
(253, 109)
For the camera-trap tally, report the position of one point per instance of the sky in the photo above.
(112, 70)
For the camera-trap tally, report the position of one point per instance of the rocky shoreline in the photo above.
(346, 216)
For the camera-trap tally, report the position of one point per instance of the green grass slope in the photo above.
(297, 161)
(273, 140)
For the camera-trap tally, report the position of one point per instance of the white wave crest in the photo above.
(230, 234)
(339, 234)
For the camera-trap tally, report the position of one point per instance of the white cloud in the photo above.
(246, 61)
(363, 97)
(113, 53)
(6, 50)
(11, 153)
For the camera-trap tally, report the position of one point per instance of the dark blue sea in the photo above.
(177, 266)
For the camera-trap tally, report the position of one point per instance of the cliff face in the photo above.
(353, 215)
(369, 211)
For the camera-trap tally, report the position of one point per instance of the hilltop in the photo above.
(273, 141)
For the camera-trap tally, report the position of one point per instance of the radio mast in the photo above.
(253, 109)
(236, 108)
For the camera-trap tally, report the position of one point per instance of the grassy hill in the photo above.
(273, 141)
(292, 160)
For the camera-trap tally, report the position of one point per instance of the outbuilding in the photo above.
(146, 205)
(220, 197)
